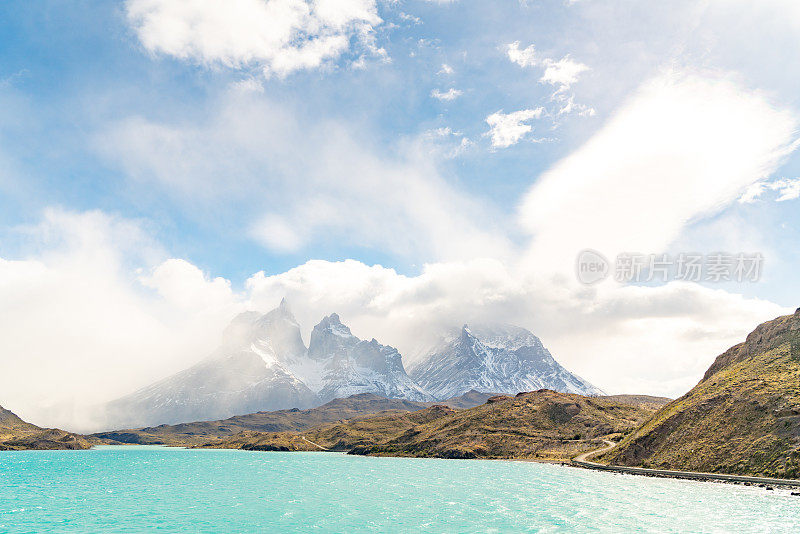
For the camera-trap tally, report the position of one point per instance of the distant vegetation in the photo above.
(540, 425)
(16, 434)
(742, 418)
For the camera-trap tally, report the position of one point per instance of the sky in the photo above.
(413, 165)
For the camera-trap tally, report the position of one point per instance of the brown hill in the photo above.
(16, 434)
(742, 418)
(203, 432)
(470, 399)
(543, 425)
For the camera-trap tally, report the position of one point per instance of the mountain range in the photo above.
(263, 364)
(500, 358)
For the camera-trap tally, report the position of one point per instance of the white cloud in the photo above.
(185, 286)
(82, 324)
(446, 69)
(446, 96)
(568, 105)
(277, 234)
(683, 147)
(787, 189)
(525, 57)
(563, 72)
(101, 308)
(630, 339)
(507, 129)
(280, 36)
(446, 141)
(299, 182)
(88, 318)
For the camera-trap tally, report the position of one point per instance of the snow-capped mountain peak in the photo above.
(263, 364)
(496, 358)
(352, 365)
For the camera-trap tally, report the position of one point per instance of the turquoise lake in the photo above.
(147, 489)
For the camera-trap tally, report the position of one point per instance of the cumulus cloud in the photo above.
(101, 308)
(657, 340)
(94, 319)
(446, 96)
(684, 146)
(279, 36)
(563, 72)
(525, 57)
(83, 324)
(786, 188)
(508, 129)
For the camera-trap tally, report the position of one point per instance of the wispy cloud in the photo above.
(560, 73)
(683, 147)
(787, 189)
(446, 96)
(348, 192)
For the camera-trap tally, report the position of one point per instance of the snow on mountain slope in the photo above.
(226, 384)
(264, 365)
(352, 365)
(498, 358)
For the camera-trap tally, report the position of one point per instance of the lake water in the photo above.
(143, 489)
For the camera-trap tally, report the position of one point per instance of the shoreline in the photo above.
(791, 484)
(689, 475)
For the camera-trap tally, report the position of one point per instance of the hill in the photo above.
(361, 405)
(742, 418)
(542, 425)
(16, 434)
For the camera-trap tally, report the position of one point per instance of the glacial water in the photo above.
(147, 489)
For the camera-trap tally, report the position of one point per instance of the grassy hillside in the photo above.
(338, 410)
(543, 425)
(203, 432)
(16, 434)
(742, 418)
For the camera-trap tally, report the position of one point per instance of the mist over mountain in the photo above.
(263, 364)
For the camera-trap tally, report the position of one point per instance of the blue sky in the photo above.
(182, 162)
(70, 72)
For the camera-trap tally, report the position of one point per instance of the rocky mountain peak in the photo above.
(330, 337)
(493, 357)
